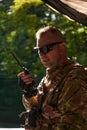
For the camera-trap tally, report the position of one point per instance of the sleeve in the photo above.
(73, 103)
(34, 101)
(29, 102)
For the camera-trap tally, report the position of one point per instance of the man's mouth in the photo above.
(44, 60)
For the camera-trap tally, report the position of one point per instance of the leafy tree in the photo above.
(19, 21)
(17, 32)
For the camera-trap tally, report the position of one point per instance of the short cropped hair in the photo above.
(52, 29)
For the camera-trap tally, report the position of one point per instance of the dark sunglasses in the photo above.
(47, 48)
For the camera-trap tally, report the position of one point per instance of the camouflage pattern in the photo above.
(62, 99)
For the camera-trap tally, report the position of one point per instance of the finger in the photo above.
(28, 81)
(21, 74)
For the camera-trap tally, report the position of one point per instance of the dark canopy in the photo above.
(74, 9)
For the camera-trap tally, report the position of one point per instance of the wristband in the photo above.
(30, 94)
(24, 87)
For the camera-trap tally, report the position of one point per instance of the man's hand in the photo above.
(49, 112)
(26, 78)
(26, 82)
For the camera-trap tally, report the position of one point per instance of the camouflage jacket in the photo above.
(61, 98)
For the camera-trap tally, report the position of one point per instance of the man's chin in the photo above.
(47, 66)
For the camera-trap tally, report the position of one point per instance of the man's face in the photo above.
(51, 58)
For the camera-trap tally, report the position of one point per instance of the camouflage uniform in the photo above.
(63, 94)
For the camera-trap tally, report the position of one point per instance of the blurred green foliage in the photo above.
(19, 21)
(18, 25)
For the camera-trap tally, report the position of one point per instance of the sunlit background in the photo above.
(19, 21)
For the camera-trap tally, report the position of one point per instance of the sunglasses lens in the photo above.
(43, 50)
(47, 48)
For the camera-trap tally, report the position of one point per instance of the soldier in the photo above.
(60, 100)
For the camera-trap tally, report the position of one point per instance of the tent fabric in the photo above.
(74, 9)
